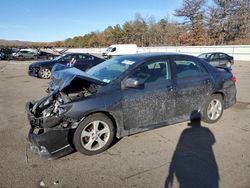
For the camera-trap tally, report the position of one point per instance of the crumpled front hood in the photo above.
(62, 76)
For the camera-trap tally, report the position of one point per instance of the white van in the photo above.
(120, 49)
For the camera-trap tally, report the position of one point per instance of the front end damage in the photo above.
(50, 134)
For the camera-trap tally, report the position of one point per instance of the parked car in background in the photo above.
(123, 96)
(120, 49)
(3, 56)
(46, 55)
(5, 53)
(218, 59)
(83, 61)
(25, 54)
(50, 53)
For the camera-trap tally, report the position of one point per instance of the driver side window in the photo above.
(151, 72)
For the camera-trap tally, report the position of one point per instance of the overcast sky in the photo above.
(48, 20)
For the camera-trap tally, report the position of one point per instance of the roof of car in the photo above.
(75, 53)
(141, 56)
(213, 53)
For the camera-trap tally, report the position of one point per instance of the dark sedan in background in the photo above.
(3, 56)
(5, 53)
(218, 59)
(123, 96)
(83, 61)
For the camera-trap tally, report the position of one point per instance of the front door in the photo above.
(152, 102)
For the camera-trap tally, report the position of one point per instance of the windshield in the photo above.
(204, 56)
(109, 49)
(111, 69)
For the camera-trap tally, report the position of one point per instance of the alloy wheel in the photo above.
(214, 109)
(45, 73)
(95, 135)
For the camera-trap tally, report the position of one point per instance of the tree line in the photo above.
(201, 22)
(219, 23)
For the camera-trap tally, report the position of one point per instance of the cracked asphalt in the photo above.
(205, 155)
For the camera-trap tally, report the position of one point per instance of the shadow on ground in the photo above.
(193, 162)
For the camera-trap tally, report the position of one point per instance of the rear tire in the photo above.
(213, 109)
(94, 134)
(44, 73)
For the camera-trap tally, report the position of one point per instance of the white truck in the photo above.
(119, 49)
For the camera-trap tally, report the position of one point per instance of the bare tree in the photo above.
(228, 20)
(193, 11)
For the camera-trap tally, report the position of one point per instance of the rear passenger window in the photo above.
(82, 57)
(215, 57)
(188, 68)
(223, 56)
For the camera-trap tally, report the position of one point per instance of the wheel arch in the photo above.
(219, 93)
(215, 95)
(111, 117)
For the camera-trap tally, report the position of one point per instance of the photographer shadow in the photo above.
(193, 162)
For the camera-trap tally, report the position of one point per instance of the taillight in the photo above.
(233, 79)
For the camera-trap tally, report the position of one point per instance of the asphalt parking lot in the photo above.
(178, 155)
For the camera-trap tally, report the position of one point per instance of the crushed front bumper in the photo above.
(48, 143)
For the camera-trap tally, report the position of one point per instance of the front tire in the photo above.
(94, 135)
(44, 73)
(213, 109)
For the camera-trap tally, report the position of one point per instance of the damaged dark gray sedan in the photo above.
(123, 96)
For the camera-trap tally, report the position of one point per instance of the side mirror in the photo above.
(131, 83)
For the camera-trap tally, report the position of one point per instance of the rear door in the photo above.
(24, 54)
(193, 85)
(30, 54)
